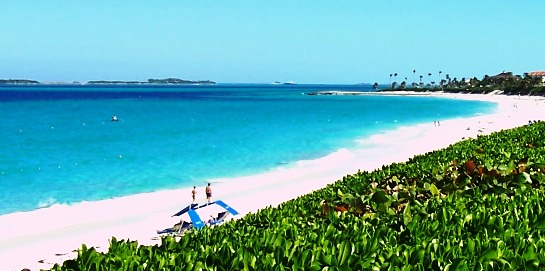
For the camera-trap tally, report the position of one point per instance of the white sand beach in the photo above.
(38, 239)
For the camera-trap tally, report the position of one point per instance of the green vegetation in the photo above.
(476, 205)
(18, 81)
(506, 82)
(167, 81)
(178, 81)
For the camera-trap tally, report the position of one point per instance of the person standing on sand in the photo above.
(194, 193)
(208, 193)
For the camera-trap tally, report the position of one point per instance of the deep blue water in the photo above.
(59, 144)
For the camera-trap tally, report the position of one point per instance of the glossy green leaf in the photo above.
(433, 189)
(407, 216)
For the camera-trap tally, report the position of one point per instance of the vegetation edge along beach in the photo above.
(447, 209)
(367, 208)
(477, 204)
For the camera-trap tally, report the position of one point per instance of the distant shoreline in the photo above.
(383, 93)
(64, 228)
(392, 93)
(167, 81)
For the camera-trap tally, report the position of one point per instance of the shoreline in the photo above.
(52, 235)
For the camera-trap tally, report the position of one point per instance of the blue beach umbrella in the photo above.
(216, 210)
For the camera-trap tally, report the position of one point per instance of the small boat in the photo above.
(114, 118)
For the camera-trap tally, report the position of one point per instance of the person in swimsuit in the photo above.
(193, 193)
(208, 192)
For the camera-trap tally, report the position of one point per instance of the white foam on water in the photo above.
(28, 237)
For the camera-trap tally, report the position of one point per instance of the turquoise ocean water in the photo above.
(59, 145)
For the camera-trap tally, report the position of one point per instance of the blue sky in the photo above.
(265, 41)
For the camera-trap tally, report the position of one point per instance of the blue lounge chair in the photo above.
(193, 211)
(177, 228)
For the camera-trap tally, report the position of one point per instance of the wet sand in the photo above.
(40, 238)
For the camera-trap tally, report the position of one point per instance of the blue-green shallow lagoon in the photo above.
(59, 145)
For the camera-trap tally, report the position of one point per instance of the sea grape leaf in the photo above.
(326, 259)
(390, 211)
(345, 250)
(407, 216)
(488, 165)
(527, 177)
(540, 222)
(330, 231)
(511, 165)
(530, 253)
(433, 189)
(532, 265)
(503, 169)
(403, 195)
(380, 196)
(315, 266)
(488, 255)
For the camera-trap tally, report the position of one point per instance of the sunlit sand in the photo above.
(40, 238)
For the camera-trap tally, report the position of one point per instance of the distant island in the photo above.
(166, 81)
(179, 81)
(18, 81)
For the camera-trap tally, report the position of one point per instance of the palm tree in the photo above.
(390, 78)
(421, 84)
(455, 82)
(442, 83)
(414, 73)
(394, 85)
(375, 86)
(474, 82)
(429, 74)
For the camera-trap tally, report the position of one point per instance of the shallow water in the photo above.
(59, 144)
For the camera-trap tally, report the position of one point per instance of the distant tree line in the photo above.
(169, 81)
(150, 81)
(178, 81)
(506, 82)
(18, 81)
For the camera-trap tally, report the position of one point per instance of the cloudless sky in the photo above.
(255, 41)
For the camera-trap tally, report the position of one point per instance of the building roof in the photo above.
(537, 73)
(504, 74)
